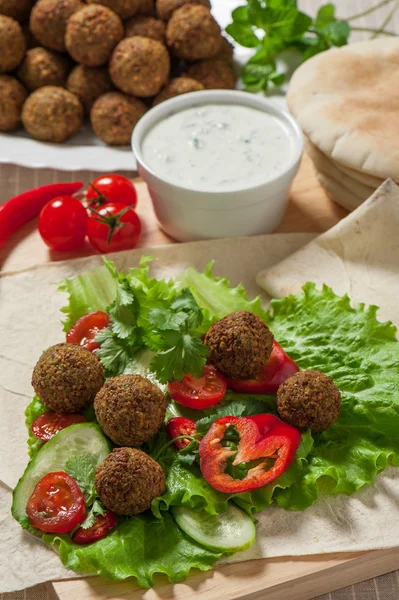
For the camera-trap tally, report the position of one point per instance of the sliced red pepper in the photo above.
(261, 437)
(277, 369)
(21, 209)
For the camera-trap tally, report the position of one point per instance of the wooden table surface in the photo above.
(310, 210)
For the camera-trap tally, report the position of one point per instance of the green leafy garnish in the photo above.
(95, 510)
(273, 26)
(34, 410)
(82, 469)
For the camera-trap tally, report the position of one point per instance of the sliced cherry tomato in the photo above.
(199, 392)
(57, 504)
(112, 188)
(63, 223)
(113, 227)
(277, 369)
(86, 328)
(180, 426)
(263, 438)
(45, 426)
(102, 525)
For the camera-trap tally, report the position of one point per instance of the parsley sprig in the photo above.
(82, 469)
(272, 26)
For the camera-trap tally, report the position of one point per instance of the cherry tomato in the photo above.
(63, 223)
(102, 525)
(57, 504)
(86, 328)
(277, 369)
(114, 227)
(112, 188)
(180, 426)
(45, 426)
(199, 392)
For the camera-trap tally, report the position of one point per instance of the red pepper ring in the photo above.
(261, 436)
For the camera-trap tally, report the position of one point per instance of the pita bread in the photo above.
(329, 168)
(368, 180)
(339, 192)
(346, 102)
(359, 256)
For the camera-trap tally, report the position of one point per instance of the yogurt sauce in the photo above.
(219, 147)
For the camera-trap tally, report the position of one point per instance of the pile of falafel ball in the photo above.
(130, 409)
(108, 59)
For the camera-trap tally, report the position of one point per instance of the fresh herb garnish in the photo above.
(272, 26)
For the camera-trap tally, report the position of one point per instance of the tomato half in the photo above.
(86, 328)
(102, 525)
(112, 188)
(57, 504)
(63, 223)
(114, 227)
(45, 426)
(277, 369)
(180, 426)
(199, 392)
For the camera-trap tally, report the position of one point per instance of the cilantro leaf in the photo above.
(183, 354)
(115, 353)
(95, 510)
(82, 469)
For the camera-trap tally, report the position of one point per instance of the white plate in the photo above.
(84, 151)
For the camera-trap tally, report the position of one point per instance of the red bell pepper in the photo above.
(261, 437)
(277, 369)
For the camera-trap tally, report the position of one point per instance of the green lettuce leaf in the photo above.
(33, 410)
(138, 547)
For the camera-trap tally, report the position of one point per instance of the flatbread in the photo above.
(359, 256)
(338, 192)
(346, 102)
(330, 168)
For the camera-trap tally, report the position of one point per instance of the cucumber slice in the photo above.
(76, 440)
(232, 530)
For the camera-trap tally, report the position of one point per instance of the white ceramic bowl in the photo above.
(187, 214)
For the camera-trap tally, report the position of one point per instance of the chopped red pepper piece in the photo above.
(277, 369)
(261, 437)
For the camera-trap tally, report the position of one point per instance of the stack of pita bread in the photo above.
(346, 101)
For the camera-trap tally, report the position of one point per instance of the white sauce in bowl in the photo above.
(219, 147)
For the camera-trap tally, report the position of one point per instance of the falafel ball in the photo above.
(309, 399)
(146, 7)
(227, 52)
(67, 377)
(145, 26)
(12, 44)
(92, 33)
(123, 8)
(52, 114)
(16, 9)
(12, 98)
(130, 409)
(193, 34)
(128, 480)
(239, 345)
(114, 116)
(42, 67)
(177, 87)
(165, 8)
(140, 66)
(88, 84)
(214, 74)
(48, 21)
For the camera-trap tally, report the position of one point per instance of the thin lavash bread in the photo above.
(347, 103)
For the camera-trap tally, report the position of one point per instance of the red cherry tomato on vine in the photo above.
(102, 525)
(86, 328)
(113, 227)
(57, 504)
(107, 189)
(63, 223)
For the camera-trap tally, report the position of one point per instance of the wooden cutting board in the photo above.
(310, 210)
